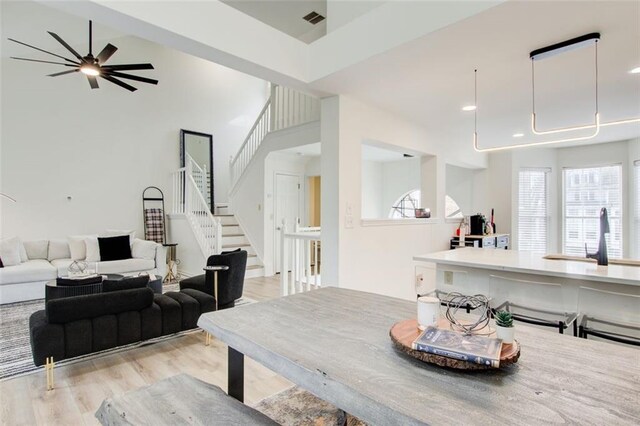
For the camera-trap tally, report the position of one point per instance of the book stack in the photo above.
(471, 348)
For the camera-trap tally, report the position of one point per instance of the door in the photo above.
(287, 207)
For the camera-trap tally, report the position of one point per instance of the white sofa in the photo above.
(26, 281)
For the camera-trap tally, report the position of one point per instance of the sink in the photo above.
(623, 262)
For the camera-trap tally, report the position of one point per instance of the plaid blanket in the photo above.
(154, 225)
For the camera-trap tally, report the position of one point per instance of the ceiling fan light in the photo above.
(89, 69)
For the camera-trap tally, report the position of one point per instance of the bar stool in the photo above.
(609, 315)
(533, 302)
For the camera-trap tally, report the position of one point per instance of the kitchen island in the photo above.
(530, 263)
(527, 277)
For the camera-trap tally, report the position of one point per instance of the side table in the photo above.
(215, 270)
(171, 263)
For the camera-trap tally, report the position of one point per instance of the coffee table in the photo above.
(335, 343)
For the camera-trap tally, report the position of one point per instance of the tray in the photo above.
(405, 332)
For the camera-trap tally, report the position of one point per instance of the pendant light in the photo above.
(542, 53)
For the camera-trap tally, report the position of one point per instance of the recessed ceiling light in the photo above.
(518, 135)
(469, 108)
(636, 70)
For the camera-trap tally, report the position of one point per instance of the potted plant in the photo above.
(504, 326)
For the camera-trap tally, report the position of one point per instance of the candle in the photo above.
(428, 311)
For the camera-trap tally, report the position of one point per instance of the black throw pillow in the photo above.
(125, 283)
(114, 248)
(68, 282)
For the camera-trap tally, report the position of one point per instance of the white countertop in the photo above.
(529, 263)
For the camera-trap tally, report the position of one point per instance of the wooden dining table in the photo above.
(335, 343)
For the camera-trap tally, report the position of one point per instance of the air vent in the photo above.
(313, 18)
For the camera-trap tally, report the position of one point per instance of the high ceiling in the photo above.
(430, 79)
(286, 15)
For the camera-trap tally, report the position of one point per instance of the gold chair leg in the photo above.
(49, 365)
(207, 339)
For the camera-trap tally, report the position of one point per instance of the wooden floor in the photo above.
(80, 388)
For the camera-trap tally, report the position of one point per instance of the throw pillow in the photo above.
(93, 249)
(142, 249)
(1, 265)
(118, 232)
(58, 249)
(37, 249)
(68, 282)
(10, 251)
(125, 283)
(78, 247)
(23, 252)
(114, 248)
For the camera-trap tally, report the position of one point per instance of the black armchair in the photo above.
(230, 282)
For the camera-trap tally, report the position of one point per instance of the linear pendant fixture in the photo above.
(555, 49)
(542, 53)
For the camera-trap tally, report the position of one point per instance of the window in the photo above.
(533, 215)
(451, 209)
(406, 205)
(637, 209)
(586, 191)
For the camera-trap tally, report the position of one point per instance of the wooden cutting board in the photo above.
(405, 332)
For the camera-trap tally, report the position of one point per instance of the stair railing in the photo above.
(285, 108)
(199, 175)
(300, 254)
(188, 200)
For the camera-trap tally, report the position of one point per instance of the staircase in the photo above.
(284, 109)
(233, 238)
(215, 233)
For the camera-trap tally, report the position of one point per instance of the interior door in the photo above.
(287, 207)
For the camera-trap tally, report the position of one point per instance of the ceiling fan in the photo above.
(93, 67)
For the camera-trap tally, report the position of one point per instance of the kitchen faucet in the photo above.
(601, 255)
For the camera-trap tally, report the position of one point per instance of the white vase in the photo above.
(505, 333)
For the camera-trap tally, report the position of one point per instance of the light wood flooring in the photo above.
(81, 387)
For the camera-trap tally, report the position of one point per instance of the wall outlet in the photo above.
(448, 277)
(348, 222)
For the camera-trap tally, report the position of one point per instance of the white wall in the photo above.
(103, 147)
(372, 190)
(341, 12)
(398, 178)
(461, 187)
(383, 183)
(355, 255)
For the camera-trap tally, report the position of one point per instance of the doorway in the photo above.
(286, 207)
(313, 200)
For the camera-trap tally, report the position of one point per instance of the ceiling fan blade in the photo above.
(44, 62)
(130, 77)
(64, 43)
(119, 83)
(106, 53)
(93, 82)
(42, 50)
(129, 67)
(62, 73)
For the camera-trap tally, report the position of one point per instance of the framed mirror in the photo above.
(196, 154)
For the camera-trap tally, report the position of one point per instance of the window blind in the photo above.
(533, 215)
(586, 191)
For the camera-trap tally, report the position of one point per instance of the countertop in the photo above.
(530, 263)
